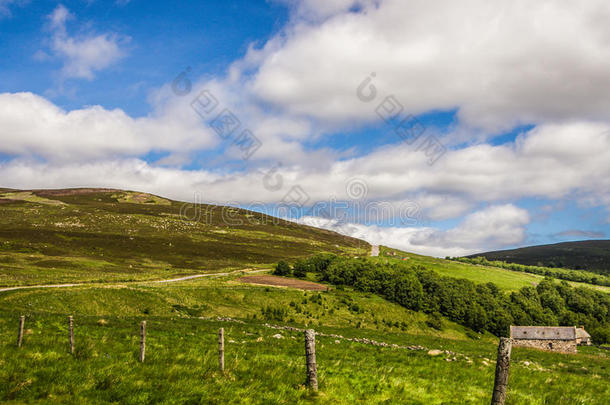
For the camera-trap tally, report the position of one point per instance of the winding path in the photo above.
(375, 250)
(172, 280)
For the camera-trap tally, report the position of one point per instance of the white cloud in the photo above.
(82, 56)
(551, 161)
(32, 126)
(488, 229)
(501, 63)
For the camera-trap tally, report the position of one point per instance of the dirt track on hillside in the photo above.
(113, 283)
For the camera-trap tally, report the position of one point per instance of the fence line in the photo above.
(502, 362)
(71, 333)
(20, 333)
(142, 341)
(502, 367)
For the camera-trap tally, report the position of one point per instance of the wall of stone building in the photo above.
(564, 346)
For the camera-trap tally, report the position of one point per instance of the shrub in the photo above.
(300, 269)
(282, 269)
(434, 321)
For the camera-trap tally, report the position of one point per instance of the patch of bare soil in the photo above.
(283, 282)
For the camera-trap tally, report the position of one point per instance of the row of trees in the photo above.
(562, 274)
(481, 307)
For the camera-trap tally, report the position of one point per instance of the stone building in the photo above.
(563, 339)
(582, 337)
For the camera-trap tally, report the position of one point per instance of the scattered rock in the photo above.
(277, 336)
(259, 339)
(435, 352)
(337, 341)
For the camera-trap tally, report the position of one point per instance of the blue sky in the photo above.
(512, 124)
(161, 40)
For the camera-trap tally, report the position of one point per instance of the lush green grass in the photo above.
(507, 280)
(94, 235)
(181, 357)
(181, 367)
(559, 273)
(226, 297)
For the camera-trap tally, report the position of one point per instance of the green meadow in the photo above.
(181, 360)
(117, 243)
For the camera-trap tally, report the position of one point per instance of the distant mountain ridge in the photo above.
(591, 255)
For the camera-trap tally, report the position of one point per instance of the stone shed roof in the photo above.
(543, 332)
(582, 334)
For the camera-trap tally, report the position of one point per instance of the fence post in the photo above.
(142, 341)
(502, 367)
(71, 333)
(310, 355)
(221, 349)
(20, 334)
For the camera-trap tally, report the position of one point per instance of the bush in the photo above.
(435, 321)
(282, 269)
(300, 269)
(600, 335)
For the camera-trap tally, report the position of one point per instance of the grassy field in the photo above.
(181, 363)
(226, 297)
(505, 279)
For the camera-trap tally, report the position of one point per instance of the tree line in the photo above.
(481, 307)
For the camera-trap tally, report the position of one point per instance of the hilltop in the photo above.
(77, 235)
(591, 255)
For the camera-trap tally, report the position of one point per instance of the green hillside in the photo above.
(181, 362)
(84, 235)
(592, 255)
(505, 279)
(117, 245)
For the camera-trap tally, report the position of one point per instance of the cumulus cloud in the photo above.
(499, 63)
(85, 55)
(32, 126)
(488, 229)
(550, 161)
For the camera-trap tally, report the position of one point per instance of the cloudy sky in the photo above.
(436, 126)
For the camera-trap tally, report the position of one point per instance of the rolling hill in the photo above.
(591, 255)
(116, 244)
(77, 235)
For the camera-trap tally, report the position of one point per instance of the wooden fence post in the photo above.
(20, 334)
(221, 349)
(142, 341)
(502, 367)
(310, 356)
(71, 333)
